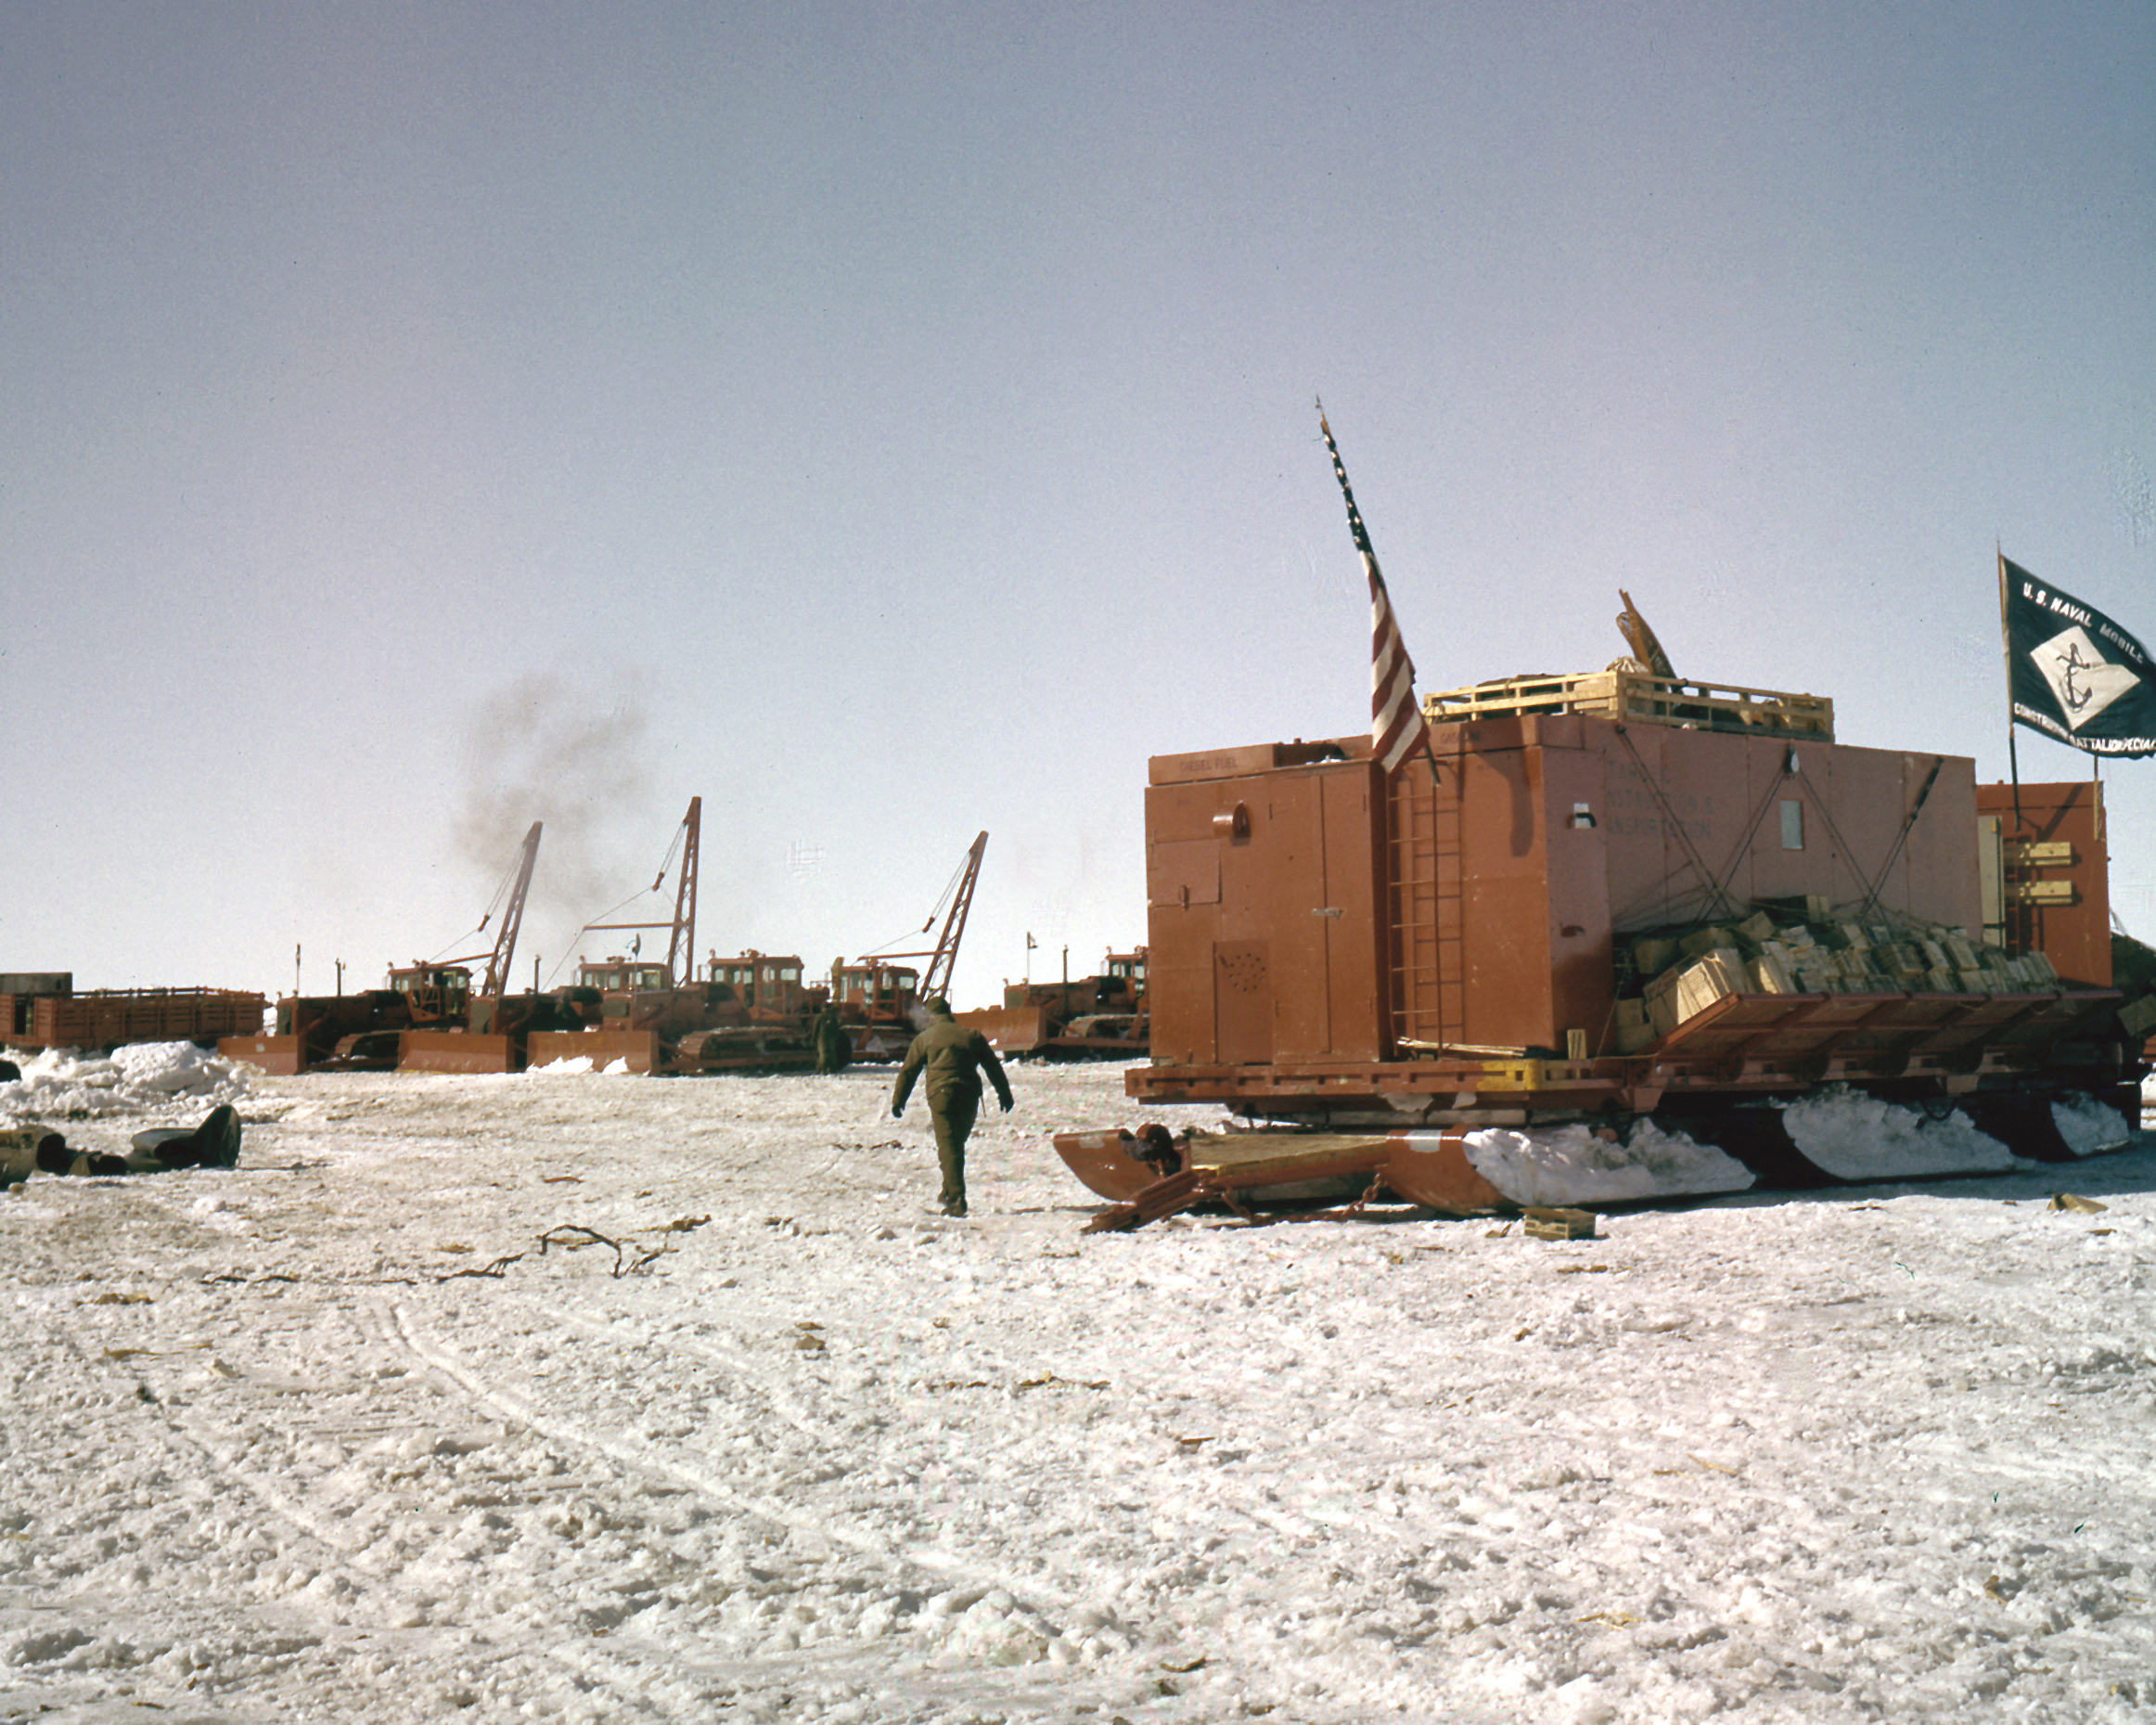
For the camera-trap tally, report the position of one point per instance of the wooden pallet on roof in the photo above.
(1637, 698)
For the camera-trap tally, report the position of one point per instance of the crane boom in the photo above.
(936, 980)
(497, 972)
(681, 945)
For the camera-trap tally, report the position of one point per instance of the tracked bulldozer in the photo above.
(428, 1017)
(1097, 1017)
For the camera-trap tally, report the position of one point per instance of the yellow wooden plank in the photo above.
(1268, 1152)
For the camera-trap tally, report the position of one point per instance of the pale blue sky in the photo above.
(892, 421)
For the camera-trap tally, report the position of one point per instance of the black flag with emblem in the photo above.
(2073, 672)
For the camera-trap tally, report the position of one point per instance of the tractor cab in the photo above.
(768, 990)
(434, 994)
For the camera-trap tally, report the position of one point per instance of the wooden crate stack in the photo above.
(1784, 950)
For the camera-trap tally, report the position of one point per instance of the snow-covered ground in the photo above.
(588, 1397)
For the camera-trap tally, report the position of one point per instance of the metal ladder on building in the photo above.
(1425, 957)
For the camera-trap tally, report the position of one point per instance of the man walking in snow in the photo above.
(834, 1048)
(954, 1056)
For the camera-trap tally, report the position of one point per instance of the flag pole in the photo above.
(1393, 706)
(2006, 653)
(1392, 673)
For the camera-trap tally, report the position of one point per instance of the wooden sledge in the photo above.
(1150, 1174)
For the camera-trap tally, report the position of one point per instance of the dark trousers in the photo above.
(954, 1114)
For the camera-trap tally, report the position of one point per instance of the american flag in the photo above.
(1396, 721)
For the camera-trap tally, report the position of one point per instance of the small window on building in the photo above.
(1792, 825)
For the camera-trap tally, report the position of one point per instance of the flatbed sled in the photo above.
(1151, 1174)
(1574, 931)
(48, 1013)
(1827, 1135)
(1921, 1044)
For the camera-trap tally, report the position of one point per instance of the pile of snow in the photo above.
(144, 1078)
(1847, 1134)
(1855, 1137)
(1576, 1164)
(579, 1065)
(2090, 1126)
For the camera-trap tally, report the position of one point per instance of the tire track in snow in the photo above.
(750, 1382)
(731, 1361)
(250, 1426)
(202, 1420)
(274, 1581)
(917, 1593)
(642, 1459)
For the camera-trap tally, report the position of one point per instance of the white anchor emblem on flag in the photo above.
(2083, 681)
